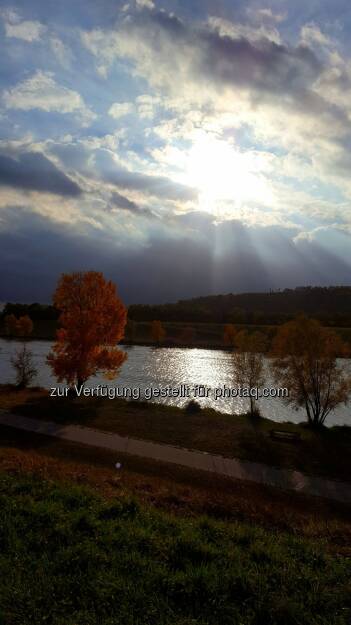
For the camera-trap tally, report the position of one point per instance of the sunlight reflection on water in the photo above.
(148, 366)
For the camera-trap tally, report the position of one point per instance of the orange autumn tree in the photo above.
(305, 360)
(10, 323)
(157, 331)
(92, 322)
(18, 327)
(24, 326)
(229, 335)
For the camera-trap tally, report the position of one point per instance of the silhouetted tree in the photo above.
(23, 364)
(22, 361)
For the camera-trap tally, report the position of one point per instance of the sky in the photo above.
(183, 148)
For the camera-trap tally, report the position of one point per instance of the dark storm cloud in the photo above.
(158, 186)
(34, 251)
(106, 169)
(185, 263)
(266, 66)
(122, 202)
(34, 172)
(229, 60)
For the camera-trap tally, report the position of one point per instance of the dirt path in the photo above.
(232, 467)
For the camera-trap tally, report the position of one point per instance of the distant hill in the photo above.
(332, 305)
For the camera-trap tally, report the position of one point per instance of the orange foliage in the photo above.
(10, 322)
(305, 360)
(157, 331)
(24, 326)
(229, 334)
(254, 342)
(18, 327)
(92, 322)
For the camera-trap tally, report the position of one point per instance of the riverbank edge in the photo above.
(321, 452)
(165, 345)
(227, 467)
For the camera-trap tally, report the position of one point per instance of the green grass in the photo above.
(70, 558)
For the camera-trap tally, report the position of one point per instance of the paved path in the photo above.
(231, 467)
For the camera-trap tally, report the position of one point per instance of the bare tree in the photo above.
(22, 362)
(248, 363)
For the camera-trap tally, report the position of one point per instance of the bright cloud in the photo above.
(120, 109)
(311, 34)
(27, 30)
(40, 91)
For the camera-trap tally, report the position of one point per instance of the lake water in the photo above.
(153, 367)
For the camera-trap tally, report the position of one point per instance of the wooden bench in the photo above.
(282, 435)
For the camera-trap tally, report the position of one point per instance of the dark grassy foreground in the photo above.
(178, 490)
(70, 558)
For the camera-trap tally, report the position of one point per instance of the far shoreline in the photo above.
(129, 344)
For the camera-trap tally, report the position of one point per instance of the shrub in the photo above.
(193, 407)
(23, 364)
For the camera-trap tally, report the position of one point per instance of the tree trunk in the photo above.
(308, 413)
(71, 393)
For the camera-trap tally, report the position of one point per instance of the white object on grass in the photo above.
(118, 465)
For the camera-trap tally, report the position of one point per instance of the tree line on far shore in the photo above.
(330, 305)
(303, 356)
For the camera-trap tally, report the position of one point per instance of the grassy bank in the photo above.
(71, 558)
(178, 490)
(324, 452)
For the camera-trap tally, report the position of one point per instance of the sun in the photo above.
(225, 177)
